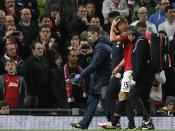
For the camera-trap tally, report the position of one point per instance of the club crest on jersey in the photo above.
(12, 84)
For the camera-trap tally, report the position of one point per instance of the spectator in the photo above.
(114, 5)
(11, 54)
(74, 41)
(75, 90)
(148, 4)
(169, 24)
(90, 6)
(49, 43)
(9, 6)
(84, 53)
(79, 23)
(159, 17)
(10, 9)
(37, 77)
(4, 108)
(59, 32)
(45, 20)
(67, 9)
(9, 21)
(30, 4)
(58, 83)
(12, 86)
(95, 20)
(169, 108)
(143, 16)
(26, 26)
(141, 28)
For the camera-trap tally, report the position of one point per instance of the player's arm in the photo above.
(113, 31)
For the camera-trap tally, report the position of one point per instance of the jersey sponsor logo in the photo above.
(12, 84)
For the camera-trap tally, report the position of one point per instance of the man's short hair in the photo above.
(131, 30)
(93, 29)
(33, 45)
(113, 14)
(141, 24)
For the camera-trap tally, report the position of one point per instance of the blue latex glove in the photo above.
(77, 77)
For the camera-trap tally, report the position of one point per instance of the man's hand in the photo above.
(116, 70)
(115, 22)
(77, 77)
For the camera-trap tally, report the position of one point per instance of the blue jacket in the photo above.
(157, 18)
(100, 67)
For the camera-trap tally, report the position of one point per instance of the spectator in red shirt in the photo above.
(12, 86)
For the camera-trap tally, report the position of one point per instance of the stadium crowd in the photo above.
(85, 53)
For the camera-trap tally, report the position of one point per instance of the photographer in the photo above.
(11, 48)
(17, 37)
(85, 53)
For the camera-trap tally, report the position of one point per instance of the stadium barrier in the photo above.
(36, 121)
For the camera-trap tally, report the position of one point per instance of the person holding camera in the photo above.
(12, 34)
(11, 53)
(84, 53)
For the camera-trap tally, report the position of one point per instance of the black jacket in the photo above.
(37, 76)
(141, 61)
(100, 66)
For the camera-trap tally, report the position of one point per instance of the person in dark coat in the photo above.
(80, 22)
(142, 76)
(100, 71)
(57, 83)
(37, 78)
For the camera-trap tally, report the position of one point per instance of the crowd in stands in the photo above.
(44, 44)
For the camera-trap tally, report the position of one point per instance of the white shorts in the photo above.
(126, 81)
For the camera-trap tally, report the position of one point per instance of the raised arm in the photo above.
(113, 31)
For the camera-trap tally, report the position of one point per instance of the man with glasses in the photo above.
(159, 17)
(143, 17)
(9, 21)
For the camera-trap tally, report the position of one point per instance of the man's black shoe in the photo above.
(77, 125)
(147, 125)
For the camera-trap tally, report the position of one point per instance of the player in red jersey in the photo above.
(119, 25)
